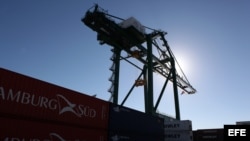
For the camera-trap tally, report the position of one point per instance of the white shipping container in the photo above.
(178, 136)
(177, 125)
(133, 22)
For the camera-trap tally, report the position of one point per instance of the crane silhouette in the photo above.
(130, 36)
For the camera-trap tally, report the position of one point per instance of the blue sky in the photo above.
(210, 38)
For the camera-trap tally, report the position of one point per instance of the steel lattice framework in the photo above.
(133, 42)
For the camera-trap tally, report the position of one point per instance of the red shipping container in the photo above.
(23, 130)
(27, 97)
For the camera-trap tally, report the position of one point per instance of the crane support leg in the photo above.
(150, 108)
(145, 89)
(176, 98)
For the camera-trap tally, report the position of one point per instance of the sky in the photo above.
(46, 39)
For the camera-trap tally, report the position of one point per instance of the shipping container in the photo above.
(166, 118)
(24, 130)
(209, 135)
(123, 119)
(177, 125)
(195, 136)
(242, 122)
(26, 97)
(211, 131)
(179, 136)
(133, 136)
(210, 138)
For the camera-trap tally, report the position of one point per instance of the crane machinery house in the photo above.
(134, 27)
(130, 27)
(132, 22)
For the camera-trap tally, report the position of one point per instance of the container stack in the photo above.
(126, 124)
(178, 130)
(34, 110)
(31, 109)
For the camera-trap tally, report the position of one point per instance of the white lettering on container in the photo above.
(60, 103)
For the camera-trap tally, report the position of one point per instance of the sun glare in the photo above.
(182, 64)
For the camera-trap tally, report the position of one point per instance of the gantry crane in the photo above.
(130, 36)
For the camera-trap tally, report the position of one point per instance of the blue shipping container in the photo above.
(123, 119)
(131, 136)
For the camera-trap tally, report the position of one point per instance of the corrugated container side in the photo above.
(178, 125)
(27, 97)
(179, 136)
(24, 130)
(195, 136)
(124, 119)
(211, 138)
(133, 136)
(211, 131)
(209, 135)
(242, 122)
